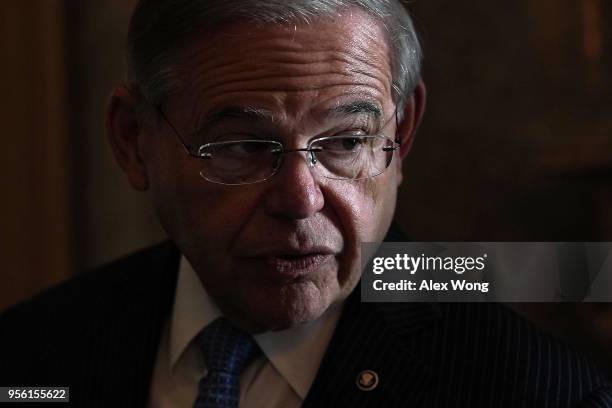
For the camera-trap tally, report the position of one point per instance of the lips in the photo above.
(290, 264)
(296, 264)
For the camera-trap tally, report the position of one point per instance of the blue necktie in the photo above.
(227, 351)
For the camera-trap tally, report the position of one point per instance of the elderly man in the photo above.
(270, 136)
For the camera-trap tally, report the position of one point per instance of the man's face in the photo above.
(280, 252)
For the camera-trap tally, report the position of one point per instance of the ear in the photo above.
(413, 114)
(124, 132)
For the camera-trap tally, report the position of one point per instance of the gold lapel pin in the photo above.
(367, 380)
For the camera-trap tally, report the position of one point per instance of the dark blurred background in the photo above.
(516, 144)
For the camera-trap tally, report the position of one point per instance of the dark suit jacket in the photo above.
(99, 335)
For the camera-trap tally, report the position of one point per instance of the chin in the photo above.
(281, 307)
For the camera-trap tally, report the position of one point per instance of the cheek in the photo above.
(202, 218)
(366, 208)
(211, 218)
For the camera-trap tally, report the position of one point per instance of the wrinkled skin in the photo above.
(278, 253)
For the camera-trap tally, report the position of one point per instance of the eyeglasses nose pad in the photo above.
(276, 162)
(312, 159)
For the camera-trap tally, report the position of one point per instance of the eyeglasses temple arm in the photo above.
(188, 148)
(398, 140)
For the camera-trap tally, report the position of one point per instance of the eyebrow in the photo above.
(236, 112)
(357, 107)
(262, 115)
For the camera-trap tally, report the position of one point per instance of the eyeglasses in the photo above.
(341, 157)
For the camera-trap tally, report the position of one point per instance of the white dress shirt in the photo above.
(281, 377)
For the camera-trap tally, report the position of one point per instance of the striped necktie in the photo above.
(227, 351)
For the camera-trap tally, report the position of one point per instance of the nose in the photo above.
(294, 191)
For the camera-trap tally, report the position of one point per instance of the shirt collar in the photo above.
(296, 353)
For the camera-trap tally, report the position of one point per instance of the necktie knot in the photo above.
(225, 348)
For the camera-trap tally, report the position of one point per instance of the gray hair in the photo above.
(159, 28)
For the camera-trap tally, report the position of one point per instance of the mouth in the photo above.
(295, 265)
(291, 265)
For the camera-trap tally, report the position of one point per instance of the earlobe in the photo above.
(123, 129)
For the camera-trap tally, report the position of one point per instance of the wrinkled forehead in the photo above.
(295, 70)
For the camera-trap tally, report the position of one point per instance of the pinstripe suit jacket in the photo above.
(99, 335)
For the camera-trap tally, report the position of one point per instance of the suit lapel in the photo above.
(374, 337)
(132, 338)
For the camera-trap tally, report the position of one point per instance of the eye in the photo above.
(237, 151)
(341, 144)
(350, 143)
(242, 149)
